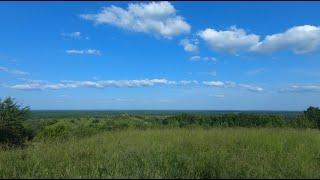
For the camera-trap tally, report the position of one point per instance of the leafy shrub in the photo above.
(58, 130)
(313, 114)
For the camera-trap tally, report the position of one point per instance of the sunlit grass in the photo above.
(171, 153)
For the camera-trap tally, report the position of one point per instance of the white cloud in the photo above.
(214, 83)
(74, 35)
(217, 95)
(189, 46)
(92, 84)
(195, 58)
(299, 39)
(209, 59)
(219, 83)
(185, 82)
(251, 88)
(230, 84)
(302, 88)
(13, 71)
(205, 59)
(157, 18)
(231, 40)
(85, 51)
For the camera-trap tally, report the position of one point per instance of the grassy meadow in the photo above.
(98, 144)
(190, 152)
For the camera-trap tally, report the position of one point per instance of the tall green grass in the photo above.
(171, 153)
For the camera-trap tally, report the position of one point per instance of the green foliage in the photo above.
(64, 128)
(313, 114)
(227, 120)
(12, 116)
(302, 122)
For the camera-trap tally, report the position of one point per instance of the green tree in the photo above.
(12, 116)
(313, 114)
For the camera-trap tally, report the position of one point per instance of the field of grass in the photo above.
(171, 153)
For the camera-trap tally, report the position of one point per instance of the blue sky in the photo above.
(161, 55)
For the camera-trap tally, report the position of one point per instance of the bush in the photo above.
(12, 116)
(303, 122)
(313, 114)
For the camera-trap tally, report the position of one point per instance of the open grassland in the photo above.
(171, 153)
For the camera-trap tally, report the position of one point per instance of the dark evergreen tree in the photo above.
(12, 131)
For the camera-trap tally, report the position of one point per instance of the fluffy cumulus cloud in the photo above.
(13, 71)
(231, 41)
(40, 85)
(230, 84)
(302, 88)
(189, 46)
(299, 39)
(84, 51)
(157, 18)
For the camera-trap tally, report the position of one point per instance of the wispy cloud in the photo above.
(74, 35)
(251, 87)
(156, 18)
(205, 59)
(256, 71)
(230, 84)
(91, 84)
(217, 95)
(13, 71)
(301, 88)
(101, 84)
(185, 82)
(211, 73)
(195, 58)
(124, 100)
(219, 83)
(85, 51)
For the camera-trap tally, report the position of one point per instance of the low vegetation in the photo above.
(139, 145)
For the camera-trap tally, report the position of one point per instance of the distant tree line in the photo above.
(15, 131)
(246, 120)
